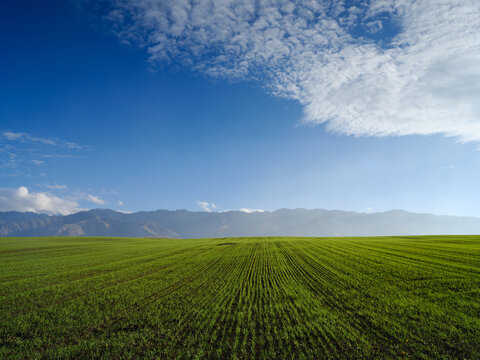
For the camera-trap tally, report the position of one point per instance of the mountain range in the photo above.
(191, 224)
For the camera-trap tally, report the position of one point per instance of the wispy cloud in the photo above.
(25, 138)
(94, 199)
(56, 187)
(207, 206)
(22, 154)
(366, 68)
(21, 199)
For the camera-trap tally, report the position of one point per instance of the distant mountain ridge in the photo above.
(191, 224)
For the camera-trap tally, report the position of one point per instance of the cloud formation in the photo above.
(22, 200)
(56, 187)
(366, 68)
(94, 199)
(19, 151)
(25, 138)
(207, 206)
(249, 211)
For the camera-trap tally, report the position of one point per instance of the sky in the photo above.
(255, 105)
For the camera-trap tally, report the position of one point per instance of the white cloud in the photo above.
(22, 200)
(56, 187)
(339, 61)
(123, 211)
(19, 151)
(94, 199)
(120, 203)
(245, 210)
(24, 137)
(249, 211)
(374, 27)
(207, 206)
(12, 135)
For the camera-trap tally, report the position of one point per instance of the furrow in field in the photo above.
(245, 298)
(134, 272)
(304, 309)
(107, 263)
(330, 295)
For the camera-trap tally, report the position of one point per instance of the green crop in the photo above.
(240, 298)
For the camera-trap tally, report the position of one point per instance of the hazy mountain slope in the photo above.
(188, 224)
(85, 223)
(12, 223)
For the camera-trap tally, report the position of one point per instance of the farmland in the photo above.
(272, 298)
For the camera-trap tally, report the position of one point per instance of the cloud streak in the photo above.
(27, 138)
(20, 150)
(56, 187)
(94, 199)
(374, 68)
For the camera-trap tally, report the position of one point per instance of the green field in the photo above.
(272, 298)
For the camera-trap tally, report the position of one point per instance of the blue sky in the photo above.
(147, 105)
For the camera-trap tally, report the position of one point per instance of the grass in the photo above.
(271, 298)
